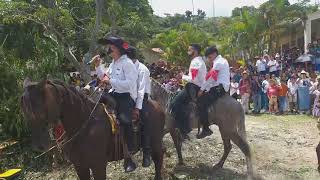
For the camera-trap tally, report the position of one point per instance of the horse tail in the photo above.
(242, 126)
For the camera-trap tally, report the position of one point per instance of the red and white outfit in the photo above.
(219, 74)
(197, 72)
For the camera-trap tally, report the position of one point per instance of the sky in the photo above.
(222, 7)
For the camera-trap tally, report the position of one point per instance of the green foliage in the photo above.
(175, 42)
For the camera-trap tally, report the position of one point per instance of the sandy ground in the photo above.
(283, 147)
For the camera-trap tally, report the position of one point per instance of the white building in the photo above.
(301, 34)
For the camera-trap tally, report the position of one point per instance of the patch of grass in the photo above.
(21, 156)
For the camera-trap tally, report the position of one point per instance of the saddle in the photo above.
(120, 145)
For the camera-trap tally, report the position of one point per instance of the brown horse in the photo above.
(89, 141)
(227, 114)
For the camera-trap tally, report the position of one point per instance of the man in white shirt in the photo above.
(272, 64)
(195, 79)
(261, 65)
(144, 90)
(217, 84)
(122, 75)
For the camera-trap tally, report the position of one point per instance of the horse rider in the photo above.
(122, 75)
(144, 90)
(216, 85)
(195, 79)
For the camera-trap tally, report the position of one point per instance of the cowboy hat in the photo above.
(304, 72)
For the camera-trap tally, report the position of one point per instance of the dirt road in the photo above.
(283, 147)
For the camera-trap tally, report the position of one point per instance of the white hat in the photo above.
(87, 87)
(277, 55)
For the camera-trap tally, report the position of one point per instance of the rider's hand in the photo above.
(105, 80)
(135, 114)
(96, 60)
(200, 93)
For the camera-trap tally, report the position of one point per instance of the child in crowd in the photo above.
(244, 87)
(292, 93)
(273, 93)
(316, 105)
(283, 96)
(234, 89)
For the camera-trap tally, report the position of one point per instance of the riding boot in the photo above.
(129, 165)
(146, 161)
(146, 141)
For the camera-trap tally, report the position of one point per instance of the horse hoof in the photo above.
(319, 168)
(218, 166)
(181, 163)
(157, 178)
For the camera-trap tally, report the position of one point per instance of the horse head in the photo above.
(40, 104)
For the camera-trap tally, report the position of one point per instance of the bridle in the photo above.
(60, 142)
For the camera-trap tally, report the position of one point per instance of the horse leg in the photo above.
(157, 157)
(243, 145)
(99, 172)
(82, 172)
(227, 148)
(318, 155)
(177, 143)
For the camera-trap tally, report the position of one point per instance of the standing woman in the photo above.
(122, 75)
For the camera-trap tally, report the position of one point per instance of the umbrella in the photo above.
(304, 58)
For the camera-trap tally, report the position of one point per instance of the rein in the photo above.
(59, 144)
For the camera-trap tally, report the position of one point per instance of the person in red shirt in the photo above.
(245, 88)
(273, 93)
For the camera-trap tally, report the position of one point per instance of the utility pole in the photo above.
(213, 10)
(192, 8)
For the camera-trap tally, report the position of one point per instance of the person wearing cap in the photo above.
(303, 79)
(278, 64)
(216, 85)
(144, 90)
(122, 75)
(195, 79)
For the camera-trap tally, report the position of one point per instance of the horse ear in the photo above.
(43, 83)
(27, 82)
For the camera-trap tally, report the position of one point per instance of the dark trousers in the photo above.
(145, 126)
(179, 107)
(206, 100)
(124, 107)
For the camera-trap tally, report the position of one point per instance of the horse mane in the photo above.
(162, 95)
(72, 93)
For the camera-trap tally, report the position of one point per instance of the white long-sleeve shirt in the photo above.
(197, 72)
(293, 87)
(221, 66)
(144, 83)
(123, 76)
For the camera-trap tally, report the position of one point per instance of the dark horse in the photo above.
(89, 141)
(227, 114)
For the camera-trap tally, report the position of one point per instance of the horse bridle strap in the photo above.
(62, 144)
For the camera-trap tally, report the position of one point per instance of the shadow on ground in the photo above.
(203, 171)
